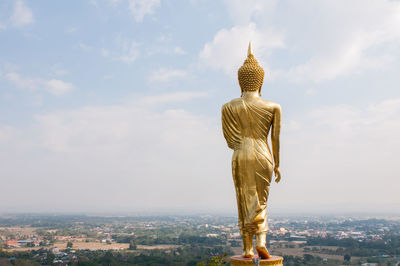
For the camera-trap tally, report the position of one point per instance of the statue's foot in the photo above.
(263, 252)
(248, 254)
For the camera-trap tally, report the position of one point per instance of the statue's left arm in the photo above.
(276, 129)
(230, 127)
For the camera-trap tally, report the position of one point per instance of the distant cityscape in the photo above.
(192, 240)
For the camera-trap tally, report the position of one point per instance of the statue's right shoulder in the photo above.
(276, 106)
(271, 104)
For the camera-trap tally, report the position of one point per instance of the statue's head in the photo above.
(250, 74)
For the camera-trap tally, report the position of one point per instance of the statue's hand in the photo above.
(277, 174)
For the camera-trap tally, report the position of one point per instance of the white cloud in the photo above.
(85, 47)
(22, 82)
(221, 54)
(341, 155)
(245, 11)
(3, 26)
(71, 29)
(58, 71)
(126, 51)
(140, 8)
(22, 14)
(122, 148)
(7, 133)
(165, 49)
(359, 44)
(58, 87)
(53, 86)
(130, 51)
(164, 38)
(323, 39)
(93, 2)
(165, 75)
(173, 97)
(178, 50)
(164, 45)
(105, 52)
(115, 2)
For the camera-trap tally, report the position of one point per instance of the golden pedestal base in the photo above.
(239, 260)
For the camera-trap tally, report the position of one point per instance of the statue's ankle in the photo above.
(261, 239)
(247, 245)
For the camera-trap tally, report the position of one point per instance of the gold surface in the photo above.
(246, 123)
(239, 261)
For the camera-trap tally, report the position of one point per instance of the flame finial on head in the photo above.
(249, 50)
(250, 74)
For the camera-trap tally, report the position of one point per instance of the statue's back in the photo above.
(250, 117)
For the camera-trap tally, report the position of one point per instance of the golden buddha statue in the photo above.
(246, 122)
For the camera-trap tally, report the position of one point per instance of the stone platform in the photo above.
(239, 260)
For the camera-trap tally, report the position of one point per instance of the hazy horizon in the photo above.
(216, 213)
(114, 105)
(198, 212)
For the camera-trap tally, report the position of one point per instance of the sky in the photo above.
(114, 105)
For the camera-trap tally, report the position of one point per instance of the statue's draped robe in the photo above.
(246, 123)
